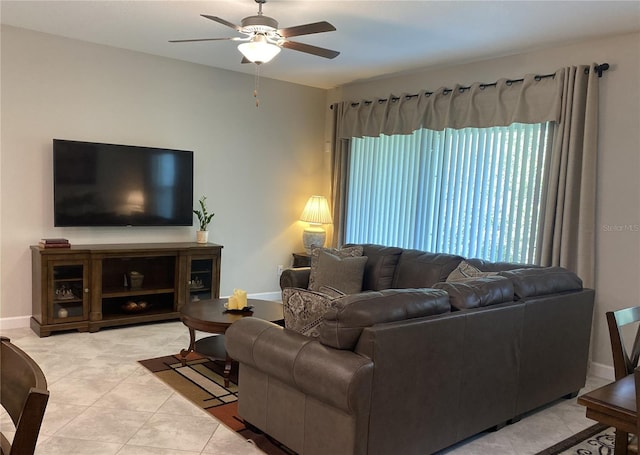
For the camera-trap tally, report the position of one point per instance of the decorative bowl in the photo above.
(135, 307)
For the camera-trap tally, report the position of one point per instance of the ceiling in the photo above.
(374, 37)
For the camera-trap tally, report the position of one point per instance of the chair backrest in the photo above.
(623, 363)
(24, 395)
(636, 374)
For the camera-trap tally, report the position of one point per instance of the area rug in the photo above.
(201, 382)
(598, 439)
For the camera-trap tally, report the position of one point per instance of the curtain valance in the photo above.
(532, 99)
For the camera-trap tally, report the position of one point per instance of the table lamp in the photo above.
(316, 213)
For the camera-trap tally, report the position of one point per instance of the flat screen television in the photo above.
(121, 185)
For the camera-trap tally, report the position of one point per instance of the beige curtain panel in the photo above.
(568, 232)
(533, 99)
(339, 174)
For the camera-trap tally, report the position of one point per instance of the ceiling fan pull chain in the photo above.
(255, 85)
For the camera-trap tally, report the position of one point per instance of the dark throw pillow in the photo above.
(343, 274)
(326, 271)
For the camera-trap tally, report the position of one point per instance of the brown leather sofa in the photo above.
(413, 367)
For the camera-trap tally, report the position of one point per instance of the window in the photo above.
(476, 192)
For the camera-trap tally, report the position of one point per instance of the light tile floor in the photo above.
(103, 402)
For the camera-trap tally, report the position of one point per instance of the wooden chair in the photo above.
(623, 364)
(632, 447)
(24, 395)
(636, 374)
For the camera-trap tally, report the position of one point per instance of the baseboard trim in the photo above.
(19, 322)
(601, 370)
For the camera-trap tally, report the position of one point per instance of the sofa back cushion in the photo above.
(478, 292)
(349, 315)
(419, 269)
(381, 266)
(533, 282)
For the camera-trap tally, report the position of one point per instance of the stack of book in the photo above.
(54, 243)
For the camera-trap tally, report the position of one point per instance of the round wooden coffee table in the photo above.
(212, 317)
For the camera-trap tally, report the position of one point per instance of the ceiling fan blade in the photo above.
(307, 29)
(245, 60)
(223, 22)
(319, 51)
(201, 39)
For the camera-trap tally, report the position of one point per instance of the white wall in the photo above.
(257, 166)
(618, 203)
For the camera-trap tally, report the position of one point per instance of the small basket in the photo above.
(135, 280)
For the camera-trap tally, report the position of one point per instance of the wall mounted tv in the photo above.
(121, 185)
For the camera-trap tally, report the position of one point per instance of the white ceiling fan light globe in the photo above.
(259, 50)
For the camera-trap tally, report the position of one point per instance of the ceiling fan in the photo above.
(264, 40)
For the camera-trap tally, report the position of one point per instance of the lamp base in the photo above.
(313, 236)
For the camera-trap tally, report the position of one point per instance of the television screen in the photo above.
(121, 185)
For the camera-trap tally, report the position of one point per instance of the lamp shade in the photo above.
(259, 50)
(316, 211)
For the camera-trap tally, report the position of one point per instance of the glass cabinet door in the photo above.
(69, 299)
(201, 279)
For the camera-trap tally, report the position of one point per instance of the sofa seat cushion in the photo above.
(304, 310)
(349, 315)
(531, 282)
(341, 269)
(478, 292)
(419, 269)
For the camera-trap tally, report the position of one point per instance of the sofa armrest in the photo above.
(295, 278)
(339, 378)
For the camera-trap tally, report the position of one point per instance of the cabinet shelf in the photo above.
(126, 292)
(67, 301)
(200, 290)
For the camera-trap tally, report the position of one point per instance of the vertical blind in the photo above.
(476, 192)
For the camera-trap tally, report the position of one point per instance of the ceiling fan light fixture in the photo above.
(259, 50)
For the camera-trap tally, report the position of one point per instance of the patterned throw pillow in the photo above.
(323, 272)
(465, 271)
(304, 310)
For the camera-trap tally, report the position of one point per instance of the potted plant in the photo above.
(204, 217)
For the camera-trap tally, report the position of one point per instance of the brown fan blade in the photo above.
(245, 60)
(200, 39)
(223, 22)
(319, 51)
(307, 29)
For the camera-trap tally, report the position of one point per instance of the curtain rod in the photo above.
(599, 69)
